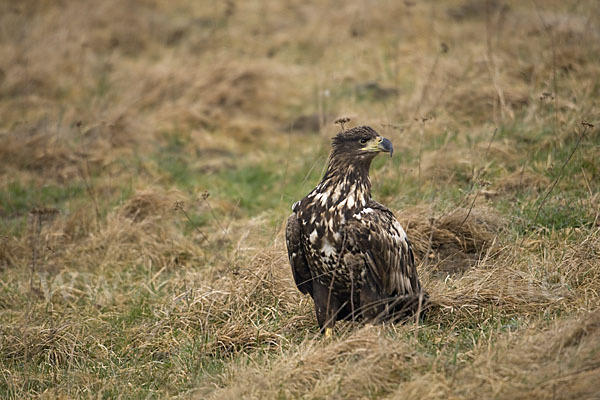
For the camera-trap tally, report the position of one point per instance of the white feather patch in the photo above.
(401, 231)
(350, 201)
(328, 249)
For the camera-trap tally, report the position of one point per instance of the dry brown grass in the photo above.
(506, 360)
(364, 362)
(531, 366)
(124, 117)
(522, 180)
(367, 363)
(454, 241)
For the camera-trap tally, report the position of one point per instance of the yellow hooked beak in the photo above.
(379, 144)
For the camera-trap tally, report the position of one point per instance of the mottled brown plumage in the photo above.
(346, 250)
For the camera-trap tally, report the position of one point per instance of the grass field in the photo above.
(150, 152)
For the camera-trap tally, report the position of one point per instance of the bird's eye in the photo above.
(363, 141)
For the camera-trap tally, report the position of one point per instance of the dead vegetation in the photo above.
(454, 241)
(518, 181)
(149, 153)
(368, 362)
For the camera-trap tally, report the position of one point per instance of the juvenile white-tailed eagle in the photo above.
(348, 251)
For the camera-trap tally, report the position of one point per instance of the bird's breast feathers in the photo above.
(329, 245)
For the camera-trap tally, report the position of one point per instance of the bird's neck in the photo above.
(348, 184)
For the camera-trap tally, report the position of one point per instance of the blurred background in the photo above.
(220, 96)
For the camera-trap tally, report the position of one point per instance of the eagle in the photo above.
(347, 251)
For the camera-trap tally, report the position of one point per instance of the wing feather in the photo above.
(378, 235)
(300, 270)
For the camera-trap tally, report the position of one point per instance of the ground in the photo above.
(150, 153)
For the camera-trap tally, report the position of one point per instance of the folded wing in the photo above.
(378, 236)
(300, 270)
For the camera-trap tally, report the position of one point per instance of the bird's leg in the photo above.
(326, 307)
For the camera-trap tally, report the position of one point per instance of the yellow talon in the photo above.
(328, 332)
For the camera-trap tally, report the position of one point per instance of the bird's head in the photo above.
(361, 144)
